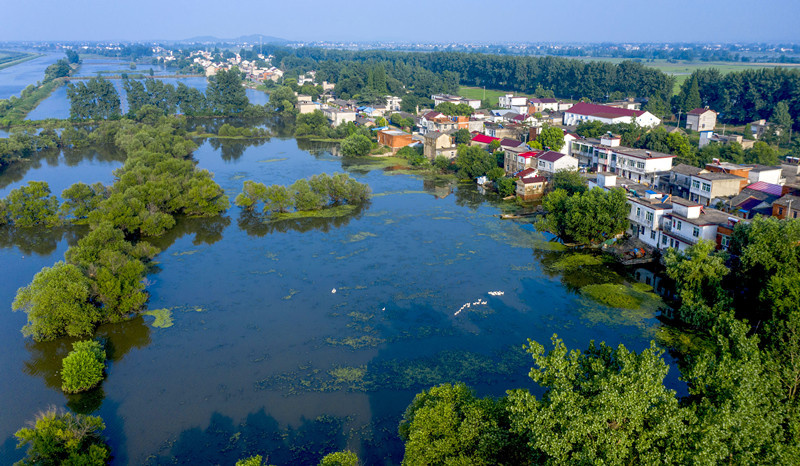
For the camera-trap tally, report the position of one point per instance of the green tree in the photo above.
(252, 193)
(462, 136)
(551, 137)
(570, 181)
(83, 367)
(356, 145)
(57, 304)
(277, 199)
(690, 95)
(761, 153)
(80, 200)
(225, 93)
(304, 197)
(64, 438)
(340, 458)
(698, 273)
(473, 161)
(283, 98)
(506, 186)
(586, 217)
(603, 406)
(449, 425)
(32, 205)
(256, 460)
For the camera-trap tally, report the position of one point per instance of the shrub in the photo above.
(64, 438)
(83, 367)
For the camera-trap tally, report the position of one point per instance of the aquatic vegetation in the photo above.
(83, 368)
(185, 253)
(630, 304)
(163, 317)
(612, 295)
(361, 236)
(292, 292)
(574, 261)
(272, 160)
(685, 341)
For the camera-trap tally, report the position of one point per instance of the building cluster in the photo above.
(251, 68)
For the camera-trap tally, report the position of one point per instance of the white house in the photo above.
(548, 163)
(393, 103)
(690, 222)
(646, 216)
(606, 155)
(454, 99)
(510, 100)
(583, 111)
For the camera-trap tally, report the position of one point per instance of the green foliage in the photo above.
(462, 136)
(340, 458)
(230, 131)
(551, 137)
(506, 186)
(414, 156)
(586, 217)
(698, 273)
(57, 70)
(317, 192)
(57, 304)
(451, 109)
(83, 367)
(256, 460)
(312, 124)
(283, 98)
(612, 295)
(96, 99)
(441, 162)
(225, 93)
(449, 425)
(570, 181)
(356, 145)
(30, 205)
(605, 406)
(473, 161)
(64, 438)
(80, 200)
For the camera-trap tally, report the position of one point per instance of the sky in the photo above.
(434, 21)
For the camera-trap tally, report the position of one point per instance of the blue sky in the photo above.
(434, 21)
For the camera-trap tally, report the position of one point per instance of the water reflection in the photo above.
(224, 442)
(206, 230)
(233, 149)
(38, 240)
(258, 225)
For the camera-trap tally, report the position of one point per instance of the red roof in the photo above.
(767, 188)
(700, 111)
(529, 154)
(432, 114)
(526, 172)
(533, 179)
(602, 111)
(484, 139)
(551, 156)
(510, 142)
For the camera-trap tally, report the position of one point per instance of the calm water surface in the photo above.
(16, 78)
(263, 357)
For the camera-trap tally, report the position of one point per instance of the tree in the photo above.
(462, 136)
(473, 161)
(57, 304)
(690, 95)
(225, 93)
(356, 145)
(340, 458)
(64, 438)
(782, 118)
(449, 425)
(586, 217)
(761, 153)
(603, 406)
(657, 107)
(32, 205)
(698, 273)
(83, 367)
(569, 180)
(551, 137)
(506, 186)
(256, 460)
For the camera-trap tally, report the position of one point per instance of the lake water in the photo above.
(16, 78)
(263, 357)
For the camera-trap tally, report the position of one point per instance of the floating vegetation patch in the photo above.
(364, 341)
(398, 193)
(262, 272)
(163, 317)
(618, 304)
(442, 218)
(402, 374)
(574, 261)
(525, 268)
(271, 255)
(275, 159)
(357, 251)
(683, 340)
(643, 287)
(361, 236)
(292, 292)
(237, 177)
(185, 253)
(329, 212)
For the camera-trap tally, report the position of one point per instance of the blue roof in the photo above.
(650, 191)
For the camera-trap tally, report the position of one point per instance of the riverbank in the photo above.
(18, 108)
(28, 57)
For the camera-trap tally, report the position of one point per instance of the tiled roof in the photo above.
(526, 172)
(603, 111)
(551, 156)
(510, 142)
(769, 188)
(484, 139)
(533, 179)
(699, 111)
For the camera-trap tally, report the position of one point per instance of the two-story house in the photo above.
(582, 112)
(510, 100)
(646, 216)
(689, 222)
(705, 187)
(680, 179)
(548, 163)
(515, 161)
(701, 119)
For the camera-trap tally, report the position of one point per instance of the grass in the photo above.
(575, 261)
(329, 212)
(612, 295)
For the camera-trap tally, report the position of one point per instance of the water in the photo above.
(264, 358)
(16, 78)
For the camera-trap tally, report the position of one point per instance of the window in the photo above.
(640, 165)
(695, 184)
(725, 241)
(706, 187)
(695, 232)
(664, 240)
(679, 224)
(638, 212)
(780, 210)
(648, 216)
(653, 234)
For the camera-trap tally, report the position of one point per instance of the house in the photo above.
(395, 139)
(438, 122)
(706, 187)
(364, 121)
(701, 119)
(510, 100)
(767, 174)
(568, 139)
(759, 127)
(436, 143)
(708, 137)
(583, 111)
(540, 105)
(751, 201)
(393, 103)
(646, 215)
(550, 162)
(690, 222)
(786, 207)
(338, 117)
(454, 99)
(482, 140)
(303, 98)
(680, 179)
(530, 186)
(307, 107)
(514, 162)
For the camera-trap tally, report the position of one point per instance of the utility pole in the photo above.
(679, 118)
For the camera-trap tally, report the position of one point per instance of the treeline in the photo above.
(428, 73)
(98, 99)
(745, 96)
(101, 279)
(15, 109)
(22, 144)
(318, 192)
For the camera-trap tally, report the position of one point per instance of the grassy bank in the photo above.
(27, 57)
(18, 108)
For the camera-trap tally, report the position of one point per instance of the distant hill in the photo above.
(252, 38)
